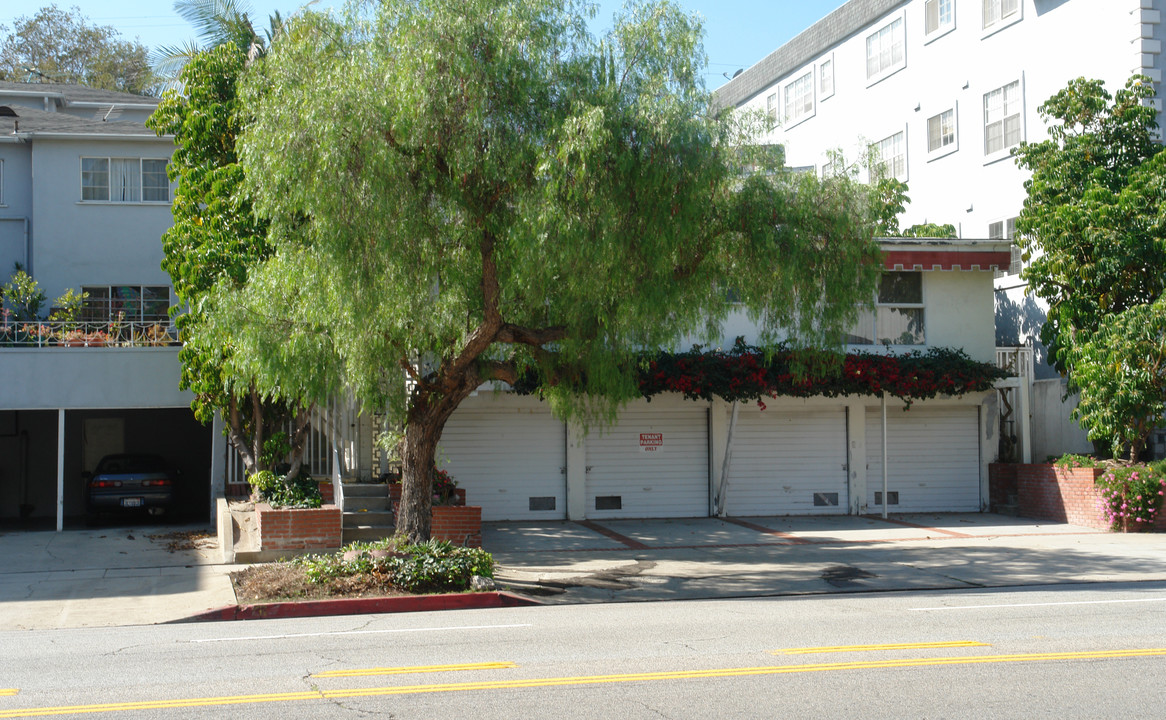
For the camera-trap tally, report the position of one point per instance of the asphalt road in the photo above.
(1059, 652)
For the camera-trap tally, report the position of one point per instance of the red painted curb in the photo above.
(360, 606)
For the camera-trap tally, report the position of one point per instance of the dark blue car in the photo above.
(130, 483)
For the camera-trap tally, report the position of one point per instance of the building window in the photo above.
(938, 18)
(771, 107)
(1000, 12)
(126, 303)
(1002, 118)
(825, 79)
(889, 157)
(1006, 230)
(884, 50)
(898, 317)
(124, 180)
(941, 133)
(799, 98)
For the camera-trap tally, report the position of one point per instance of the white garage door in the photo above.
(653, 463)
(788, 463)
(510, 455)
(933, 459)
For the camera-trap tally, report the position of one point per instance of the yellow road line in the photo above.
(414, 669)
(566, 681)
(8, 692)
(866, 648)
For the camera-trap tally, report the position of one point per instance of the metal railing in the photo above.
(80, 333)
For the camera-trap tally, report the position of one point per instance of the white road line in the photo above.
(1019, 605)
(358, 632)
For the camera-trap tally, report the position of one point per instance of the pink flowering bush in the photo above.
(1131, 497)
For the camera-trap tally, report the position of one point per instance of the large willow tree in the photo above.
(466, 191)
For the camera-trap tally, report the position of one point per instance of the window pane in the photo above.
(826, 78)
(94, 179)
(931, 16)
(125, 303)
(901, 287)
(155, 184)
(862, 331)
(125, 180)
(155, 303)
(900, 326)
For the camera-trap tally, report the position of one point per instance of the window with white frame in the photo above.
(1002, 121)
(1000, 12)
(938, 18)
(884, 50)
(1006, 230)
(942, 137)
(124, 180)
(898, 316)
(771, 106)
(889, 157)
(826, 78)
(799, 98)
(126, 303)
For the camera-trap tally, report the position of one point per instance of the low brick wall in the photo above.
(460, 524)
(1047, 492)
(298, 529)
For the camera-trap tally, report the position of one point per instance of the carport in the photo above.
(65, 408)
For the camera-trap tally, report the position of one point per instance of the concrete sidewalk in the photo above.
(147, 575)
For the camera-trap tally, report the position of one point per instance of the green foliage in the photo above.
(68, 306)
(890, 200)
(469, 191)
(1091, 228)
(1131, 497)
(22, 296)
(300, 491)
(930, 230)
(64, 47)
(431, 567)
(748, 373)
(1121, 372)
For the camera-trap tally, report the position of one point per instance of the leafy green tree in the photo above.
(62, 46)
(477, 190)
(1121, 372)
(1091, 227)
(214, 243)
(930, 230)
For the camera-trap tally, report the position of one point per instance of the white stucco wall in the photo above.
(86, 243)
(1055, 41)
(76, 378)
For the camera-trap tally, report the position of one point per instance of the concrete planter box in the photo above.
(298, 529)
(1047, 492)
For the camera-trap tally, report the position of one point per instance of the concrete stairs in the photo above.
(366, 512)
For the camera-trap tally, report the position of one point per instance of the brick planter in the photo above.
(1046, 492)
(459, 494)
(460, 524)
(298, 529)
(244, 490)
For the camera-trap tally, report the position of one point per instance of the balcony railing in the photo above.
(76, 333)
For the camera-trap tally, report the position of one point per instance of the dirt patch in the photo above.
(285, 581)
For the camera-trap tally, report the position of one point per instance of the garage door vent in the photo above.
(825, 499)
(542, 503)
(609, 502)
(892, 497)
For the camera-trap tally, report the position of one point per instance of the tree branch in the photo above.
(535, 337)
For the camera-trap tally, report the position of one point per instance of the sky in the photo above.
(738, 33)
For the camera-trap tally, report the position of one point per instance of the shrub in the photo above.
(1131, 497)
(431, 567)
(281, 491)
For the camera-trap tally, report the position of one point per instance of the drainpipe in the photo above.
(884, 455)
(60, 469)
(723, 490)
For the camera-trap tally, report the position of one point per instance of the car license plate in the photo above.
(131, 502)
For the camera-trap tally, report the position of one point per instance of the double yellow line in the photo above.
(574, 681)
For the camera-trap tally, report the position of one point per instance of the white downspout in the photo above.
(884, 455)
